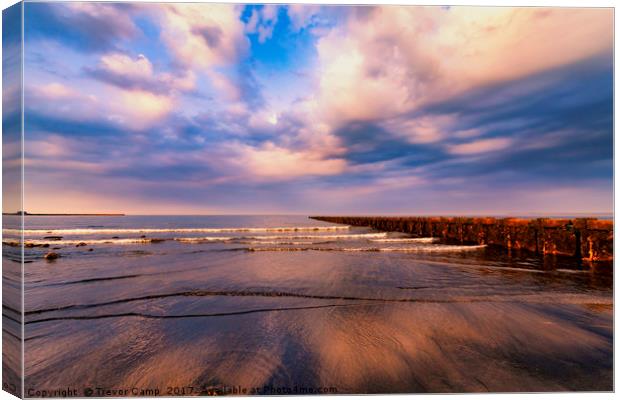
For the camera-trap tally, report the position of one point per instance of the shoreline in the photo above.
(589, 239)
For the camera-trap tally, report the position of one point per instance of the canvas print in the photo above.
(292, 199)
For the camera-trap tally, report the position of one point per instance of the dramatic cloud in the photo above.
(209, 38)
(388, 60)
(299, 108)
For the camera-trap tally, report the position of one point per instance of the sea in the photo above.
(244, 305)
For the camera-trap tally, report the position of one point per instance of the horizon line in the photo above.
(436, 214)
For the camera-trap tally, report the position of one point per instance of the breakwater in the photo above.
(585, 238)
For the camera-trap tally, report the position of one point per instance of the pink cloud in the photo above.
(480, 146)
(392, 60)
(275, 162)
(122, 64)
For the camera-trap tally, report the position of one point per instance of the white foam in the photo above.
(276, 242)
(413, 249)
(407, 240)
(418, 249)
(204, 239)
(293, 237)
(276, 238)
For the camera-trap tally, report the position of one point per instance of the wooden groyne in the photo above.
(585, 238)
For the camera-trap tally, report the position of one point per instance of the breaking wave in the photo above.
(265, 239)
(413, 249)
(407, 240)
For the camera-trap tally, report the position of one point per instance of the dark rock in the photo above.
(31, 245)
(53, 237)
(80, 244)
(51, 256)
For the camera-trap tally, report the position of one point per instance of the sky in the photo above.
(241, 109)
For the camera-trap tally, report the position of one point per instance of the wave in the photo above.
(265, 239)
(407, 240)
(280, 243)
(47, 243)
(90, 231)
(413, 249)
(204, 239)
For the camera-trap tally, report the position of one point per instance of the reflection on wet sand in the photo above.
(371, 348)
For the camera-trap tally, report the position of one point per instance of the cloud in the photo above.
(390, 104)
(127, 72)
(497, 44)
(424, 129)
(210, 40)
(480, 146)
(275, 162)
(121, 64)
(88, 27)
(302, 15)
(386, 61)
(59, 104)
(263, 21)
(140, 108)
(203, 35)
(56, 90)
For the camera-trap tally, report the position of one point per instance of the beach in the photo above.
(286, 304)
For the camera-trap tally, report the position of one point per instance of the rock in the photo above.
(53, 237)
(90, 249)
(80, 244)
(31, 245)
(51, 256)
(115, 237)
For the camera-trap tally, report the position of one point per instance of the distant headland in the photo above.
(65, 214)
